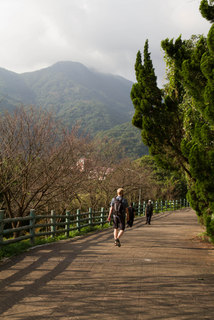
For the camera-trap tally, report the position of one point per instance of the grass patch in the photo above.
(13, 249)
(203, 236)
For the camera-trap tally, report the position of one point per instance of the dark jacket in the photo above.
(149, 208)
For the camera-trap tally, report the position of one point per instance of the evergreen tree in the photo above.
(207, 10)
(157, 114)
(178, 122)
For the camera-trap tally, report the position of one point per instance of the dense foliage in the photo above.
(164, 183)
(128, 139)
(177, 122)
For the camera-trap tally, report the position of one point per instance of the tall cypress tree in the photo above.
(178, 122)
(157, 115)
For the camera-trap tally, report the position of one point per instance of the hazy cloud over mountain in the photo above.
(102, 34)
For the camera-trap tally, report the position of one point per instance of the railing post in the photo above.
(144, 208)
(161, 206)
(32, 225)
(102, 216)
(156, 206)
(1, 226)
(108, 210)
(90, 216)
(53, 223)
(139, 208)
(67, 223)
(78, 219)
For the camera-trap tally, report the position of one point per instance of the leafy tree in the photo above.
(178, 122)
(164, 184)
(207, 10)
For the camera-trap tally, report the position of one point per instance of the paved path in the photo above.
(160, 272)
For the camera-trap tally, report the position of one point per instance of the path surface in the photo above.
(160, 272)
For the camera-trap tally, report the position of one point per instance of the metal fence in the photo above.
(34, 225)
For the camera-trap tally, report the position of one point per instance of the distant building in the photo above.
(99, 173)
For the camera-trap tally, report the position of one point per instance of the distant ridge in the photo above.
(75, 93)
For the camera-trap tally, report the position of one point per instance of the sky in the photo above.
(104, 35)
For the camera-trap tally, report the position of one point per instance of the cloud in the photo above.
(102, 34)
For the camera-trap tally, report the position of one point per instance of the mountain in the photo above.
(75, 93)
(13, 90)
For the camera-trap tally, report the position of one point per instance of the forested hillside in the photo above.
(128, 139)
(14, 91)
(75, 94)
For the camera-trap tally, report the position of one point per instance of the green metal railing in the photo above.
(52, 225)
(162, 205)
